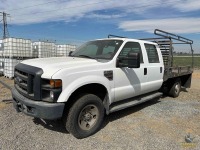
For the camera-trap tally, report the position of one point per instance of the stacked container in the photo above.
(14, 47)
(9, 65)
(44, 49)
(14, 50)
(72, 47)
(1, 44)
(1, 57)
(1, 65)
(1, 48)
(63, 50)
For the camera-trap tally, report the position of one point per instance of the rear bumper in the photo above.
(38, 109)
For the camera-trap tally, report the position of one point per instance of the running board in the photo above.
(133, 101)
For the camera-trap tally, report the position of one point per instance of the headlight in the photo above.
(51, 89)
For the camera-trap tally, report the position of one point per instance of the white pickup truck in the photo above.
(102, 76)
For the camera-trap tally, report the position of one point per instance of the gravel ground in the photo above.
(158, 124)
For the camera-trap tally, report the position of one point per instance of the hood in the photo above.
(54, 64)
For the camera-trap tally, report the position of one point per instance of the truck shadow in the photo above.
(58, 126)
(125, 112)
(185, 90)
(54, 125)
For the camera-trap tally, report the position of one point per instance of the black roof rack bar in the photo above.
(152, 38)
(110, 35)
(172, 36)
(179, 43)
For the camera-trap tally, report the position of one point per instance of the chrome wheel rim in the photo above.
(88, 117)
(177, 88)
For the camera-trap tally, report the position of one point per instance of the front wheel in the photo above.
(85, 116)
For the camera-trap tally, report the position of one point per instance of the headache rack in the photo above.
(166, 44)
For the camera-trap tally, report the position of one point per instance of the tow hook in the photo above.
(17, 106)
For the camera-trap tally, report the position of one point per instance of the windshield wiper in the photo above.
(86, 56)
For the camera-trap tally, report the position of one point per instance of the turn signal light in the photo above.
(56, 83)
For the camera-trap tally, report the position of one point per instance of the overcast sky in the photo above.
(76, 21)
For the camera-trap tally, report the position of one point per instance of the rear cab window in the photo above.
(152, 53)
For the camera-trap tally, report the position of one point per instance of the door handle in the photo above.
(145, 71)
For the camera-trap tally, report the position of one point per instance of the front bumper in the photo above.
(38, 109)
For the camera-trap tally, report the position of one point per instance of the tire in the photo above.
(85, 116)
(175, 89)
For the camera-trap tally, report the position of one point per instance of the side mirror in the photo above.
(130, 61)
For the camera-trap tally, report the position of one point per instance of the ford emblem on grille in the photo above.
(19, 80)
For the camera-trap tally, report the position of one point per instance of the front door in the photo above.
(129, 82)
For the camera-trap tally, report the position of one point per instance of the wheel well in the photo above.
(94, 88)
(168, 84)
(185, 82)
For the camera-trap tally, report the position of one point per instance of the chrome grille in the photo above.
(24, 83)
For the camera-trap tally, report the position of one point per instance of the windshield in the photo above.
(100, 49)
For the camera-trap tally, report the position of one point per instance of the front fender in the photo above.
(73, 86)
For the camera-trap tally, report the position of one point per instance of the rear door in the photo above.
(155, 67)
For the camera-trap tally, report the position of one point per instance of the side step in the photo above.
(133, 101)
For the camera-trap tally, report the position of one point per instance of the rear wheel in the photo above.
(85, 116)
(175, 89)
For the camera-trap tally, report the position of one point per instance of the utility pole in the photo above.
(5, 26)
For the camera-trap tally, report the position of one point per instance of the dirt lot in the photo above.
(161, 124)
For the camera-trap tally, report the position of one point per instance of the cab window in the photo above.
(131, 47)
(152, 53)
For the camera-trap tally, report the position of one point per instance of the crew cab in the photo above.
(100, 77)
